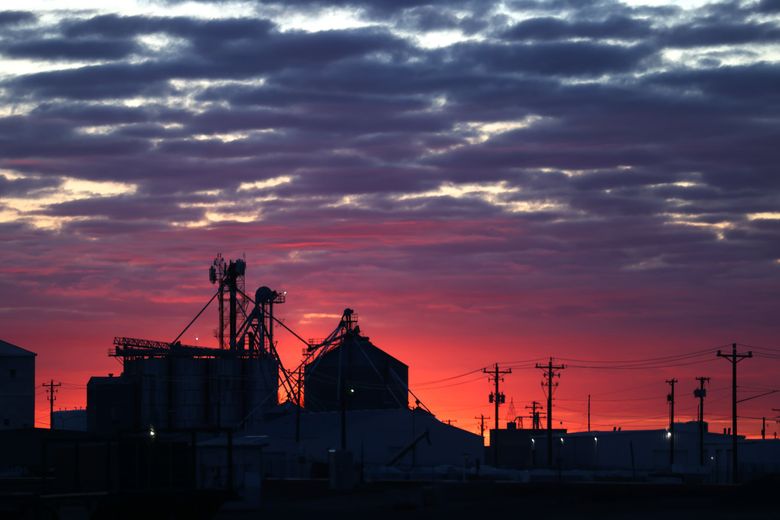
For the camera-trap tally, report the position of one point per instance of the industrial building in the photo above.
(171, 386)
(70, 420)
(180, 387)
(354, 373)
(382, 443)
(347, 394)
(638, 453)
(17, 387)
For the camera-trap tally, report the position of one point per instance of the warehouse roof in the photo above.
(10, 350)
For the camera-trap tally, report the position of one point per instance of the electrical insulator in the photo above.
(490, 397)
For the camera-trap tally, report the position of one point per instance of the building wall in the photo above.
(111, 405)
(17, 391)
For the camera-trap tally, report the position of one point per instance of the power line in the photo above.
(450, 385)
(671, 357)
(641, 367)
(772, 349)
(444, 379)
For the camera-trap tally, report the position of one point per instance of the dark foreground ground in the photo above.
(290, 499)
(308, 499)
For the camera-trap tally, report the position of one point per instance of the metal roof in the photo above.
(10, 350)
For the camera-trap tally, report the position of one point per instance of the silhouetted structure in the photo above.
(71, 420)
(549, 376)
(352, 373)
(496, 397)
(639, 454)
(734, 358)
(51, 395)
(169, 385)
(17, 387)
(670, 399)
(700, 393)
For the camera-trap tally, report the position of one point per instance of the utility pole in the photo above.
(549, 375)
(51, 391)
(701, 393)
(535, 416)
(482, 425)
(670, 399)
(734, 358)
(298, 406)
(777, 418)
(497, 398)
(588, 413)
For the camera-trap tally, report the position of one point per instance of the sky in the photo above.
(482, 181)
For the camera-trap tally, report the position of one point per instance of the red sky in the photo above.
(441, 318)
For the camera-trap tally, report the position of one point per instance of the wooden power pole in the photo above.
(51, 391)
(549, 375)
(701, 393)
(497, 398)
(734, 358)
(670, 399)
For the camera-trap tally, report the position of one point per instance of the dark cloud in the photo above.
(22, 187)
(769, 6)
(230, 59)
(67, 49)
(741, 85)
(89, 114)
(559, 58)
(550, 28)
(95, 82)
(22, 137)
(160, 209)
(16, 17)
(720, 33)
(219, 31)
